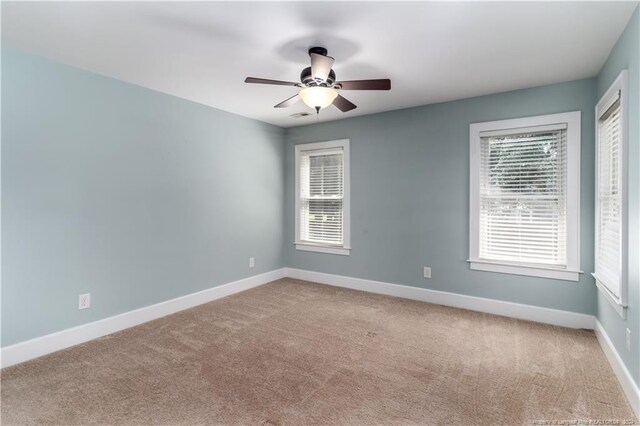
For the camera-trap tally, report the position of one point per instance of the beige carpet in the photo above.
(298, 353)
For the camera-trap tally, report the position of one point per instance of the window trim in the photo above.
(345, 248)
(619, 85)
(572, 271)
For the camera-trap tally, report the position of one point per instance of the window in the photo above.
(322, 197)
(525, 188)
(610, 250)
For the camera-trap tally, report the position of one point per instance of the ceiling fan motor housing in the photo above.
(309, 81)
(305, 75)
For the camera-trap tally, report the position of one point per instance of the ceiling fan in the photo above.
(318, 84)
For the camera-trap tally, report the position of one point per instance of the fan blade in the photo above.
(343, 105)
(320, 66)
(286, 103)
(267, 81)
(381, 84)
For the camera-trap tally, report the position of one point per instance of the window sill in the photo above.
(344, 251)
(528, 270)
(614, 301)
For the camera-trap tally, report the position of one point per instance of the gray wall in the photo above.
(128, 194)
(410, 196)
(626, 55)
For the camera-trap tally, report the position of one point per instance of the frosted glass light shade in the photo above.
(318, 97)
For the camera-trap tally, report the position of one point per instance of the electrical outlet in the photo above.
(84, 301)
(426, 272)
(252, 262)
(628, 339)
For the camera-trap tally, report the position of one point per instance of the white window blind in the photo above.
(321, 174)
(609, 200)
(522, 197)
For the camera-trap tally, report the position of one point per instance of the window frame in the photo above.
(572, 271)
(619, 85)
(345, 248)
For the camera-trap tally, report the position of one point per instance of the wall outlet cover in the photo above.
(84, 301)
(426, 272)
(252, 262)
(628, 339)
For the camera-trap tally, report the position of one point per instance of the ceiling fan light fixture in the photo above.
(318, 97)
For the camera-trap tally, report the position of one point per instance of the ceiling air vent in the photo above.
(300, 114)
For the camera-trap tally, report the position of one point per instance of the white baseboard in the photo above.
(473, 303)
(629, 386)
(39, 346)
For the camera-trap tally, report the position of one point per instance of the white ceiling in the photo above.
(432, 51)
